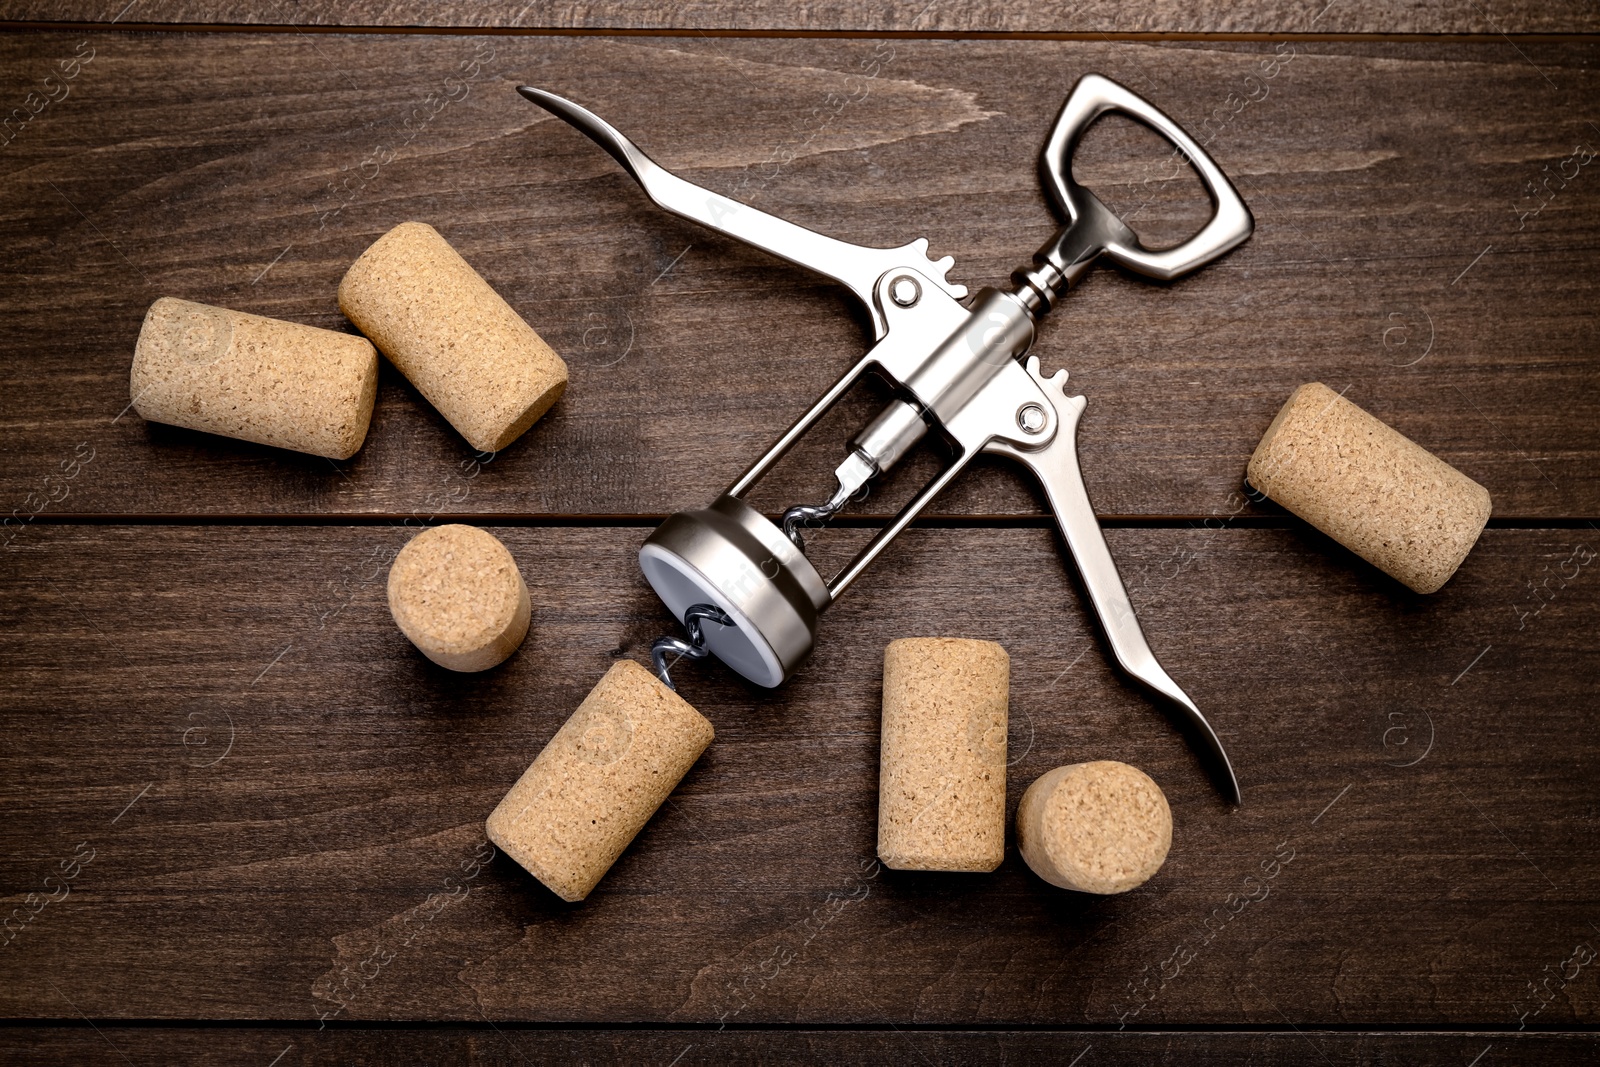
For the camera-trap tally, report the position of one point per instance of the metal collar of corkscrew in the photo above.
(742, 584)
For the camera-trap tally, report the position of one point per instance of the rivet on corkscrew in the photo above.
(695, 647)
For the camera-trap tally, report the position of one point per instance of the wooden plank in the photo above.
(1390, 260)
(1097, 16)
(251, 1047)
(144, 186)
(284, 802)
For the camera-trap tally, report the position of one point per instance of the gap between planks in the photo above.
(1486, 1030)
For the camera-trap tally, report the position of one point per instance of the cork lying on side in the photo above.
(942, 771)
(456, 593)
(447, 331)
(254, 378)
(1101, 827)
(599, 780)
(1367, 486)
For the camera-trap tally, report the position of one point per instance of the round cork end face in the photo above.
(456, 593)
(1106, 827)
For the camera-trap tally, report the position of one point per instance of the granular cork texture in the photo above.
(458, 342)
(942, 771)
(1101, 827)
(1367, 486)
(258, 379)
(456, 593)
(599, 780)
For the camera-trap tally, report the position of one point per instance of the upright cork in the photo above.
(1367, 486)
(458, 342)
(456, 593)
(942, 771)
(254, 378)
(599, 780)
(1101, 827)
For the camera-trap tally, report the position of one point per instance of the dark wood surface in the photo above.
(267, 807)
(1377, 173)
(509, 1044)
(359, 775)
(838, 16)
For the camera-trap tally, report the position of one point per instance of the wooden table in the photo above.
(249, 814)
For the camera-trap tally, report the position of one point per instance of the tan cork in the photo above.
(456, 593)
(599, 780)
(1369, 487)
(942, 771)
(447, 331)
(258, 379)
(1101, 827)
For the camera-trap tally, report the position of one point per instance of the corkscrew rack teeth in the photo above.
(955, 369)
(694, 648)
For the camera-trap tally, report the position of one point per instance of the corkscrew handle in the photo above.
(1095, 95)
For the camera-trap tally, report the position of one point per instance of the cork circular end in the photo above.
(404, 237)
(1101, 827)
(456, 593)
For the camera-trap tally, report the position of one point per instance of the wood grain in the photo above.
(240, 816)
(284, 800)
(249, 170)
(492, 1044)
(917, 16)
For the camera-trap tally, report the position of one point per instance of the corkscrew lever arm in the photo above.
(1092, 231)
(1056, 466)
(856, 267)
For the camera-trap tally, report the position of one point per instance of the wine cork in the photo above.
(254, 378)
(942, 770)
(456, 593)
(1367, 486)
(1101, 827)
(458, 342)
(599, 780)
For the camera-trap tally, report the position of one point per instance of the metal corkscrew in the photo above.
(741, 583)
(694, 648)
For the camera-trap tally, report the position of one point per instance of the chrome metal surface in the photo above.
(996, 386)
(694, 648)
(856, 267)
(1090, 223)
(959, 365)
(914, 333)
(852, 476)
(887, 438)
(905, 291)
(1056, 467)
(731, 557)
(997, 329)
(958, 370)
